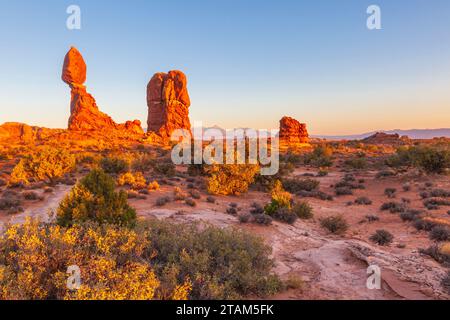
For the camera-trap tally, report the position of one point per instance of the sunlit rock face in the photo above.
(168, 103)
(292, 131)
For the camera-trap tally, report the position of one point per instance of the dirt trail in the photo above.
(39, 210)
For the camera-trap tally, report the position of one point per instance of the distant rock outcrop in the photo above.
(84, 113)
(23, 133)
(292, 131)
(385, 138)
(168, 103)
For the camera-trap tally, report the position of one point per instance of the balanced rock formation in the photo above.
(168, 103)
(84, 112)
(292, 131)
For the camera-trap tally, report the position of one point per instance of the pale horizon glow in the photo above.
(248, 63)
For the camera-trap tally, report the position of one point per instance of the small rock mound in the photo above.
(388, 139)
(22, 133)
(292, 131)
(168, 103)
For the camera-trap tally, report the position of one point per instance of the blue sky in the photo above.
(248, 62)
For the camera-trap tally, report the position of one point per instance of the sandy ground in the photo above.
(330, 267)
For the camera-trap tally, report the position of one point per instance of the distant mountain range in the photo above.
(413, 134)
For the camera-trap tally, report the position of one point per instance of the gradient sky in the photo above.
(248, 62)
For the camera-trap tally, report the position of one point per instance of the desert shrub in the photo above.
(10, 200)
(230, 178)
(191, 202)
(153, 186)
(232, 210)
(410, 215)
(440, 233)
(322, 173)
(437, 253)
(382, 237)
(406, 187)
(343, 191)
(3, 182)
(135, 180)
(263, 219)
(114, 165)
(294, 282)
(195, 194)
(334, 224)
(113, 262)
(143, 163)
(321, 156)
(296, 185)
(363, 201)
(211, 199)
(384, 174)
(372, 218)
(303, 210)
(162, 201)
(423, 224)
(356, 163)
(280, 199)
(390, 192)
(244, 218)
(31, 196)
(165, 168)
(316, 194)
(284, 214)
(435, 203)
(393, 207)
(256, 208)
(440, 193)
(46, 164)
(430, 159)
(179, 194)
(94, 198)
(221, 263)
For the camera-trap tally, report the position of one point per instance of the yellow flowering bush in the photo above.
(45, 164)
(229, 179)
(35, 257)
(135, 180)
(153, 186)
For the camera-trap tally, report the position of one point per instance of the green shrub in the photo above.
(114, 165)
(94, 198)
(440, 233)
(335, 224)
(393, 207)
(356, 163)
(322, 156)
(296, 185)
(382, 237)
(390, 192)
(221, 263)
(363, 201)
(263, 219)
(303, 210)
(165, 168)
(430, 159)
